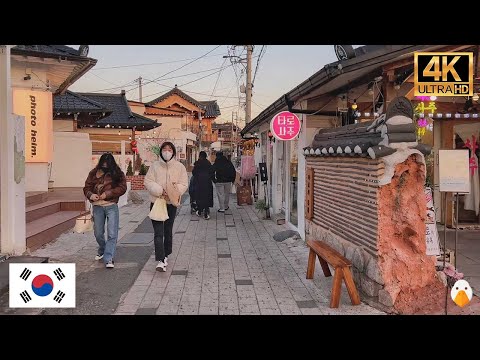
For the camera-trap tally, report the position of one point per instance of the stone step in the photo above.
(35, 197)
(48, 228)
(4, 265)
(37, 211)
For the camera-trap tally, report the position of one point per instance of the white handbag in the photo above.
(159, 210)
(84, 223)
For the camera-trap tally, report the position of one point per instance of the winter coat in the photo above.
(224, 170)
(98, 183)
(202, 183)
(160, 173)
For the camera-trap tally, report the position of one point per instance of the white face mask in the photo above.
(167, 155)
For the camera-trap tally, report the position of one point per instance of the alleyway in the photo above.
(229, 264)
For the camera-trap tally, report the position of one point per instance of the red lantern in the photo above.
(133, 144)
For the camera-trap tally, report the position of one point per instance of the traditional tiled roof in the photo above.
(377, 138)
(60, 50)
(121, 115)
(73, 102)
(176, 91)
(211, 108)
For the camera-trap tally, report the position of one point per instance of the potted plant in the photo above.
(262, 205)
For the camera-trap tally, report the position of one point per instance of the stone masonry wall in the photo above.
(398, 277)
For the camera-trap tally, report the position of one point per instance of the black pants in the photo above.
(163, 234)
(204, 211)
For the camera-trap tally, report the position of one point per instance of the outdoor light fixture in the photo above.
(433, 98)
(475, 97)
(270, 136)
(354, 105)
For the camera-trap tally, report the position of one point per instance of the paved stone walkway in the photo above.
(230, 265)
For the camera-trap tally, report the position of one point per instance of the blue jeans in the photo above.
(100, 214)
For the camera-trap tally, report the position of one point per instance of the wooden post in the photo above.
(311, 264)
(336, 288)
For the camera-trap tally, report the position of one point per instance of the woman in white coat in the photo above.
(166, 178)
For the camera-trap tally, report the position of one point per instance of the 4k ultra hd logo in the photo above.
(443, 74)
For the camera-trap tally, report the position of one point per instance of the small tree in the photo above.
(143, 169)
(129, 169)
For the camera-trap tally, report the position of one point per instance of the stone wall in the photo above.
(387, 245)
(137, 182)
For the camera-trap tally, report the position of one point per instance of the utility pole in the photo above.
(248, 109)
(140, 88)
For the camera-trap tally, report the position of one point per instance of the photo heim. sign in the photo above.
(285, 126)
(443, 74)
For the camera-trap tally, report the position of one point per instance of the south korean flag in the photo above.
(42, 285)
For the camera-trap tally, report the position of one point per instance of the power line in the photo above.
(190, 82)
(218, 78)
(148, 64)
(104, 79)
(181, 67)
(258, 61)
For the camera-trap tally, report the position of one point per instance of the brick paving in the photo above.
(231, 265)
(227, 265)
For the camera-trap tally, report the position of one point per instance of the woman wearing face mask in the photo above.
(166, 178)
(103, 187)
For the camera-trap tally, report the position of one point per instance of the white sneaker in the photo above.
(161, 266)
(165, 261)
(110, 265)
(99, 257)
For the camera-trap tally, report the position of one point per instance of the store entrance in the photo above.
(466, 137)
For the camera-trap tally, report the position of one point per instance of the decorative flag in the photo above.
(42, 285)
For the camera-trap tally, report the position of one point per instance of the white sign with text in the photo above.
(453, 169)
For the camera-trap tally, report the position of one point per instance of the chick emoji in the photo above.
(461, 293)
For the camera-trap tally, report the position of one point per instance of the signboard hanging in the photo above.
(454, 171)
(36, 107)
(285, 126)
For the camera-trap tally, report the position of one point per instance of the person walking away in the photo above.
(225, 175)
(202, 184)
(166, 178)
(105, 184)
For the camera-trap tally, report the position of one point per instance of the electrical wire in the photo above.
(218, 78)
(148, 64)
(258, 62)
(181, 67)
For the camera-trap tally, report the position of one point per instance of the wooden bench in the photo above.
(327, 255)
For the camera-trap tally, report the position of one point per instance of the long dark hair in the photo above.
(113, 169)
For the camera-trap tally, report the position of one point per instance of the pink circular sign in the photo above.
(285, 126)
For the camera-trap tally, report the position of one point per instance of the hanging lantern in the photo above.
(133, 144)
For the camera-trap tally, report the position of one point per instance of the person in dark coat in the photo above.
(225, 175)
(202, 185)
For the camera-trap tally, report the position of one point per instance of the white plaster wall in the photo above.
(36, 177)
(302, 142)
(72, 159)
